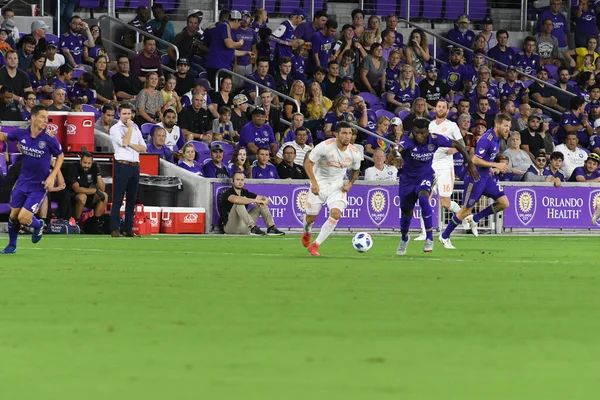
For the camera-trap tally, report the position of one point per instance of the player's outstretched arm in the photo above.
(460, 147)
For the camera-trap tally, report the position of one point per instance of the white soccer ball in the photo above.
(362, 242)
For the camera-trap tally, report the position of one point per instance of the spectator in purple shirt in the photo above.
(146, 61)
(306, 30)
(391, 23)
(502, 53)
(589, 172)
(157, 144)
(527, 60)
(257, 134)
(262, 168)
(187, 162)
(215, 168)
(222, 48)
(82, 91)
(560, 25)
(321, 48)
(72, 42)
(260, 76)
(584, 15)
(461, 34)
(243, 63)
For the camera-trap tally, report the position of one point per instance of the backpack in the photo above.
(62, 227)
(101, 226)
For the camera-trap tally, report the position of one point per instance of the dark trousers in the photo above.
(126, 181)
(63, 199)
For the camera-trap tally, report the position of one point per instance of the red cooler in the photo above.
(57, 121)
(80, 132)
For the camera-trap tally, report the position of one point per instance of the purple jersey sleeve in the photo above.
(443, 141)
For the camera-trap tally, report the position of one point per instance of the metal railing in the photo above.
(245, 79)
(437, 36)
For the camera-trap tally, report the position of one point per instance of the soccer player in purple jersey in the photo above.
(31, 188)
(485, 153)
(417, 150)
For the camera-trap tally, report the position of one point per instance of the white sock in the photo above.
(326, 230)
(423, 231)
(454, 207)
(307, 226)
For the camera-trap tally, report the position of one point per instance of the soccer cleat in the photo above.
(446, 243)
(472, 225)
(256, 231)
(305, 239)
(313, 249)
(37, 233)
(421, 237)
(273, 231)
(10, 249)
(401, 251)
(428, 248)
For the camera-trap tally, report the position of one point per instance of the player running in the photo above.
(326, 166)
(417, 150)
(35, 180)
(443, 159)
(485, 153)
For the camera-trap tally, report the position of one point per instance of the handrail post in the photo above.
(312, 7)
(434, 47)
(467, 6)
(216, 11)
(408, 10)
(524, 14)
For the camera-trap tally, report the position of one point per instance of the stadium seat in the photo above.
(457, 98)
(50, 36)
(552, 71)
(120, 4)
(91, 108)
(431, 114)
(185, 101)
(77, 73)
(14, 157)
(202, 150)
(147, 129)
(403, 114)
(384, 113)
(91, 4)
(12, 146)
(415, 7)
(165, 59)
(432, 9)
(373, 101)
(477, 10)
(454, 10)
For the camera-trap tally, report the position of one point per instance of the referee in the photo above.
(128, 143)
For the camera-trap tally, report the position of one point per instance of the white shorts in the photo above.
(330, 195)
(445, 182)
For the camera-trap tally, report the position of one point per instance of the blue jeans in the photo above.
(126, 181)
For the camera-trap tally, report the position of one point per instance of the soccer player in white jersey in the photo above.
(443, 161)
(326, 167)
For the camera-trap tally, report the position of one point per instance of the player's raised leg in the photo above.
(407, 208)
(326, 230)
(427, 215)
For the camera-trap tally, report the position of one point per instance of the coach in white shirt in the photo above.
(299, 144)
(128, 144)
(575, 156)
(380, 171)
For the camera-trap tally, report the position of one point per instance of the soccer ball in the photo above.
(362, 242)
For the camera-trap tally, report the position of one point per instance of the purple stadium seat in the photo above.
(3, 167)
(384, 113)
(202, 150)
(147, 129)
(528, 83)
(91, 108)
(477, 10)
(77, 73)
(92, 4)
(50, 36)
(431, 114)
(369, 98)
(185, 101)
(170, 5)
(139, 3)
(120, 4)
(432, 9)
(12, 146)
(390, 8)
(403, 114)
(552, 71)
(165, 59)
(457, 98)
(14, 157)
(454, 10)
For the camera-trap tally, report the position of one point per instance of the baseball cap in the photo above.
(540, 69)
(8, 24)
(594, 157)
(196, 12)
(481, 122)
(38, 24)
(216, 147)
(300, 12)
(597, 124)
(51, 43)
(235, 14)
(8, 31)
(594, 103)
(396, 121)
(455, 50)
(511, 68)
(541, 153)
(534, 116)
(488, 21)
(478, 54)
(183, 61)
(246, 12)
(204, 83)
(463, 18)
(259, 110)
(348, 78)
(430, 68)
(239, 100)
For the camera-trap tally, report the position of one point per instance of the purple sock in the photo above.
(13, 231)
(35, 223)
(485, 212)
(404, 225)
(427, 216)
(454, 222)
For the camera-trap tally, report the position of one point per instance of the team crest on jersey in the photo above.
(41, 144)
(594, 203)
(430, 147)
(265, 133)
(525, 200)
(378, 201)
(89, 177)
(299, 200)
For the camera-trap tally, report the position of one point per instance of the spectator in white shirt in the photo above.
(299, 144)
(575, 156)
(380, 171)
(175, 138)
(53, 59)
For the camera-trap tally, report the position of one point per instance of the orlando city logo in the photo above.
(525, 202)
(594, 203)
(299, 203)
(378, 203)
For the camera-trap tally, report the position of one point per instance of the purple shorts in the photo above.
(30, 200)
(409, 192)
(475, 189)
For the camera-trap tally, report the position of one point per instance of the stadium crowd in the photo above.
(364, 74)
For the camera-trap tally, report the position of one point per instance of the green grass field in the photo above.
(218, 317)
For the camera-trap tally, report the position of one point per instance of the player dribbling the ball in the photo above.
(326, 166)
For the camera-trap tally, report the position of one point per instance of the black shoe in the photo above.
(273, 231)
(256, 231)
(131, 234)
(115, 234)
